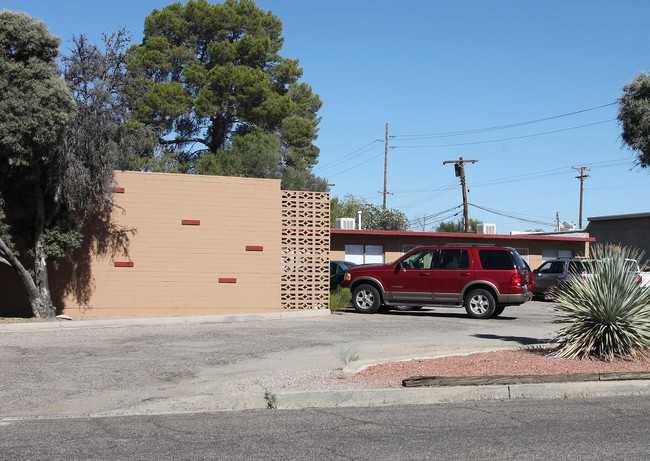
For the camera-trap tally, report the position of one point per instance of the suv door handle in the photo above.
(466, 274)
(425, 274)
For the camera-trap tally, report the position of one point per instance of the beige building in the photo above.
(364, 247)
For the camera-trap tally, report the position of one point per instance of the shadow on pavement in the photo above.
(518, 339)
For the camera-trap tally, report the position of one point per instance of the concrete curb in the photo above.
(157, 321)
(292, 400)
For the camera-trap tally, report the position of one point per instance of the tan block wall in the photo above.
(177, 268)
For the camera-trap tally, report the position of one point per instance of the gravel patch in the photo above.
(507, 362)
(390, 375)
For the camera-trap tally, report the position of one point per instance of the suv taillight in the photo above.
(516, 280)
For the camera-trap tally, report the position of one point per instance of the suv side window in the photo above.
(496, 260)
(421, 259)
(451, 259)
(576, 267)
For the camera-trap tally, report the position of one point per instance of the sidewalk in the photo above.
(192, 398)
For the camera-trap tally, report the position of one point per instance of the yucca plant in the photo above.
(607, 310)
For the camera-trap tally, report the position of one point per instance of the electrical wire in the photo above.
(544, 223)
(496, 128)
(507, 139)
(346, 157)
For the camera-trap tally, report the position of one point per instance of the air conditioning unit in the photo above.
(485, 228)
(344, 223)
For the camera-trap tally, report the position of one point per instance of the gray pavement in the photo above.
(116, 367)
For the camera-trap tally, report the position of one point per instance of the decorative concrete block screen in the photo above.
(305, 250)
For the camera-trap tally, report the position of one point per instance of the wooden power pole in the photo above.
(459, 167)
(386, 147)
(386, 166)
(582, 178)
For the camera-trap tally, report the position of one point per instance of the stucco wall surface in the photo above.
(197, 245)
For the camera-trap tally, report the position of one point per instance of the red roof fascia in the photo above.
(463, 236)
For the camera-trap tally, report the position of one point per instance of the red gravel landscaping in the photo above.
(507, 362)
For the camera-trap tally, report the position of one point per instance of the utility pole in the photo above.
(386, 147)
(582, 178)
(459, 168)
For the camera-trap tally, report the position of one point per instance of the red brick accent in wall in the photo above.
(254, 248)
(227, 280)
(191, 222)
(123, 263)
(117, 190)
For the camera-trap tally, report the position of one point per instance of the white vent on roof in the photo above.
(485, 228)
(344, 223)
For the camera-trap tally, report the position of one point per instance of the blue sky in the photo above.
(443, 75)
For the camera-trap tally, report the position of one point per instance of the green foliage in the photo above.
(36, 106)
(60, 140)
(458, 226)
(297, 179)
(5, 234)
(347, 355)
(373, 217)
(206, 75)
(271, 400)
(340, 298)
(608, 312)
(634, 116)
(249, 156)
(63, 236)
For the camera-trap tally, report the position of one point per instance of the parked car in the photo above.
(483, 278)
(552, 273)
(337, 271)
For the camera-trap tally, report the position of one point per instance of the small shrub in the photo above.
(348, 355)
(608, 312)
(340, 298)
(271, 400)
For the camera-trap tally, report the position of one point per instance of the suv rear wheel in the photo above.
(479, 304)
(366, 299)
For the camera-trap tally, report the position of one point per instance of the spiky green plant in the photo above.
(608, 311)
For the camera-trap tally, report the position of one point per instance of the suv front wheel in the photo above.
(366, 299)
(480, 304)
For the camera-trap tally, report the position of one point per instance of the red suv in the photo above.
(483, 278)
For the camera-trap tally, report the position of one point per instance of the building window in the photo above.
(407, 248)
(364, 254)
(550, 253)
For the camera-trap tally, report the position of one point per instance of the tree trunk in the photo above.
(42, 303)
(33, 295)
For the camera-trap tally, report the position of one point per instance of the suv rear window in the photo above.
(496, 260)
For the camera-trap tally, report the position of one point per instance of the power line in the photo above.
(508, 139)
(499, 127)
(511, 216)
(358, 164)
(347, 157)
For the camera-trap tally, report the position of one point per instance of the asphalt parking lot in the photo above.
(90, 369)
